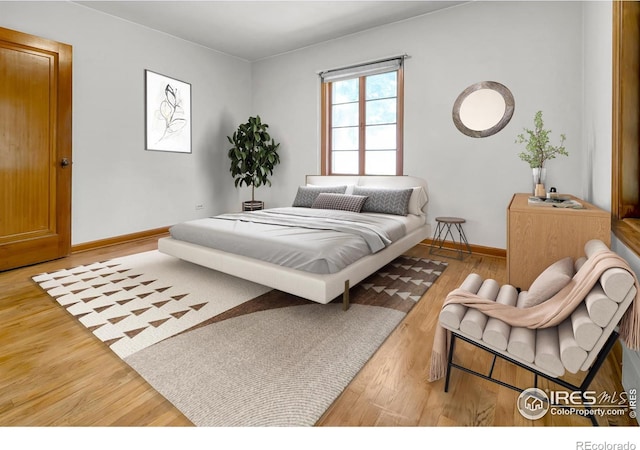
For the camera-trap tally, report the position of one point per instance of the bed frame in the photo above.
(321, 288)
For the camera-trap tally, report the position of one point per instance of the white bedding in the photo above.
(307, 239)
(318, 287)
(411, 222)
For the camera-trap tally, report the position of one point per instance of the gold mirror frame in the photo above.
(506, 117)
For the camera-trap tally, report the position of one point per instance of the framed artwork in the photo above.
(167, 114)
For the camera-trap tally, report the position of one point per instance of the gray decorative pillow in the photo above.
(387, 201)
(307, 194)
(342, 202)
(549, 282)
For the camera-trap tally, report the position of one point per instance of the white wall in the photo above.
(118, 187)
(597, 128)
(534, 48)
(597, 36)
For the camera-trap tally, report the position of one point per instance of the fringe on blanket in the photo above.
(630, 327)
(438, 363)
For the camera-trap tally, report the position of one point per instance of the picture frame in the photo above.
(167, 113)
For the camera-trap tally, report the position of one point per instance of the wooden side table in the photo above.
(443, 229)
(539, 235)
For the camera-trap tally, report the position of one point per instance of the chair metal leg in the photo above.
(449, 361)
(591, 374)
(493, 365)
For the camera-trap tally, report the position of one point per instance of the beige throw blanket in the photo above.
(547, 314)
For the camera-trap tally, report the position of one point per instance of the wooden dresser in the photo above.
(539, 235)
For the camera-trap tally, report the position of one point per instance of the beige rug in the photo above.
(280, 367)
(227, 352)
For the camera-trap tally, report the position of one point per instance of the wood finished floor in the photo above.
(53, 372)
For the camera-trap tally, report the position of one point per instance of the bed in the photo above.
(313, 249)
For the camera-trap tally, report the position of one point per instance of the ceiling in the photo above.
(254, 30)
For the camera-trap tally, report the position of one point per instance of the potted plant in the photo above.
(253, 156)
(538, 150)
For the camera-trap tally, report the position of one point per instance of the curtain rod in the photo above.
(364, 63)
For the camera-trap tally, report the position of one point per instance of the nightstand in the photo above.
(539, 235)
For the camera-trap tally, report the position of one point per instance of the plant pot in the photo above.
(252, 205)
(540, 191)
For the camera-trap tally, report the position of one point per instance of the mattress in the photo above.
(312, 240)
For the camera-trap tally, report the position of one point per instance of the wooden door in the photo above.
(35, 149)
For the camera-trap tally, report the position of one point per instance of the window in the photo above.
(625, 189)
(362, 119)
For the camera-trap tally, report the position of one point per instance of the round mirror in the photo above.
(483, 109)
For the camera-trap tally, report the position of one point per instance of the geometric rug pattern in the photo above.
(279, 360)
(406, 272)
(398, 285)
(228, 352)
(132, 302)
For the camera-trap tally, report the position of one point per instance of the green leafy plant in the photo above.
(254, 154)
(538, 149)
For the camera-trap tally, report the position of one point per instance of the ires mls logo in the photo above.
(534, 403)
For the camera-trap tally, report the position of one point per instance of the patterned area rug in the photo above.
(227, 352)
(132, 302)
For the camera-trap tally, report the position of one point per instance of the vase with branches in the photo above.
(538, 149)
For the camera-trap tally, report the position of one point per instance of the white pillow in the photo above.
(417, 201)
(549, 282)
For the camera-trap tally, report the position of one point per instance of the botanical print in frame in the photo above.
(167, 113)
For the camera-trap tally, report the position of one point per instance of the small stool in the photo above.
(443, 226)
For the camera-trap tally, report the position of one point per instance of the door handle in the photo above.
(64, 162)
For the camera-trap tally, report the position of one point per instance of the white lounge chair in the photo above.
(580, 343)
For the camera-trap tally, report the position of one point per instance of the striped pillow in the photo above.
(306, 195)
(342, 202)
(384, 200)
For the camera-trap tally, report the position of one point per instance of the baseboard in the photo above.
(477, 249)
(158, 232)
